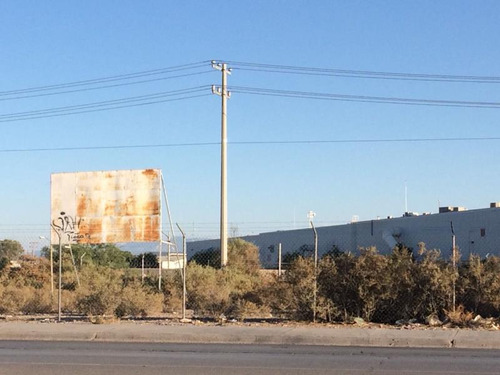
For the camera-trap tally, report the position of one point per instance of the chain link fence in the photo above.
(405, 286)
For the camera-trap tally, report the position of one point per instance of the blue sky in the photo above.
(271, 186)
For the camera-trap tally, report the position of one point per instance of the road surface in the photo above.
(97, 358)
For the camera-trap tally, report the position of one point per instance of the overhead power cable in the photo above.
(273, 68)
(105, 86)
(114, 78)
(361, 98)
(296, 142)
(127, 102)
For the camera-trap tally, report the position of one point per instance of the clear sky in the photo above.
(270, 186)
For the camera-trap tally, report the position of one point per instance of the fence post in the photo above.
(454, 261)
(315, 290)
(142, 269)
(279, 259)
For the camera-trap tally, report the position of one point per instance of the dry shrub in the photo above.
(460, 317)
(244, 309)
(374, 283)
(134, 300)
(106, 291)
(433, 280)
(277, 295)
(375, 287)
(26, 289)
(338, 285)
(385, 288)
(41, 301)
(69, 300)
(24, 299)
(243, 256)
(172, 290)
(479, 285)
(401, 303)
(13, 298)
(34, 272)
(231, 291)
(299, 280)
(207, 290)
(354, 286)
(99, 291)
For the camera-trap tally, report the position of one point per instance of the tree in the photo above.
(108, 255)
(10, 249)
(150, 260)
(209, 257)
(244, 256)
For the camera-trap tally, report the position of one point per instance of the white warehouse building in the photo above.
(476, 232)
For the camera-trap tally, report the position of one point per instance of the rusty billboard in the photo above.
(106, 206)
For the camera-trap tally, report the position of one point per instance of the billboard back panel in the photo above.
(106, 206)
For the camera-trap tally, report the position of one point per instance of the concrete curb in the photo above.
(271, 335)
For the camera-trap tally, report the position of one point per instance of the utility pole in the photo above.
(224, 94)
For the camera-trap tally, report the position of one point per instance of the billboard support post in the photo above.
(184, 268)
(159, 265)
(74, 265)
(59, 295)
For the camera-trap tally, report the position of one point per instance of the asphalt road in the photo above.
(96, 358)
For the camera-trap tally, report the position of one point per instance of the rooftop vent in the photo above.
(451, 209)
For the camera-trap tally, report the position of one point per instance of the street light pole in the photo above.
(224, 94)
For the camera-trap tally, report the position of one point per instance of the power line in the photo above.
(105, 87)
(273, 68)
(106, 79)
(154, 98)
(109, 108)
(386, 140)
(296, 142)
(361, 98)
(106, 105)
(108, 102)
